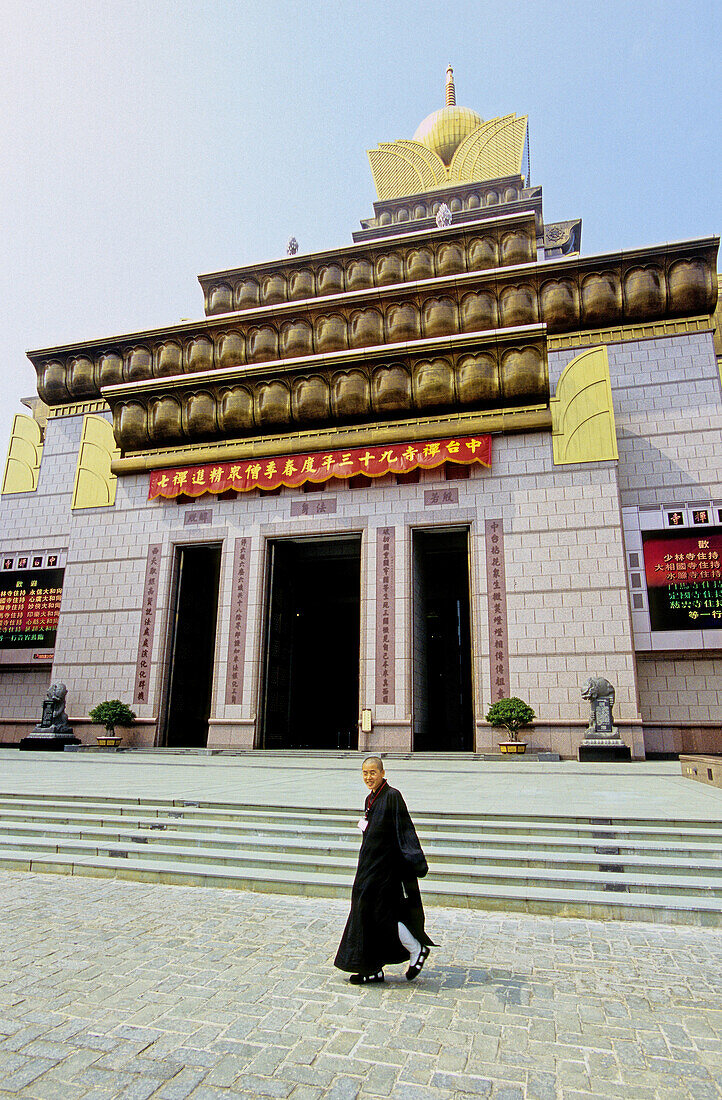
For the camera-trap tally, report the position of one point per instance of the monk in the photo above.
(386, 922)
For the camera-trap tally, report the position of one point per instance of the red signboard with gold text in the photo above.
(684, 579)
(294, 470)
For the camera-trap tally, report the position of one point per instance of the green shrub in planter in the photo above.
(510, 714)
(112, 713)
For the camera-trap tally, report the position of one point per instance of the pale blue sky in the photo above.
(147, 141)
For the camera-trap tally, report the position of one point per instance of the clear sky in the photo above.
(147, 141)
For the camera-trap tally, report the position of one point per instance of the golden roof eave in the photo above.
(329, 360)
(561, 264)
(525, 419)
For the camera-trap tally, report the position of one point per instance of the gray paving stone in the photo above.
(197, 993)
(140, 1088)
(476, 1086)
(182, 1085)
(29, 1072)
(264, 1086)
(344, 1088)
(421, 1092)
(541, 1086)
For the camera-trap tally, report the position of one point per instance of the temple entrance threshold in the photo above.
(443, 712)
(192, 646)
(311, 668)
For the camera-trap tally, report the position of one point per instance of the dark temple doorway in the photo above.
(443, 711)
(311, 673)
(193, 645)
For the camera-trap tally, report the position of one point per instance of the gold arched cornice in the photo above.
(568, 294)
(493, 370)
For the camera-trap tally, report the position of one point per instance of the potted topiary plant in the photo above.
(110, 714)
(512, 715)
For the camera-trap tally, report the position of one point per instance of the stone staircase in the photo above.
(640, 869)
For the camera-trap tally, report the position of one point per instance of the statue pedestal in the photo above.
(596, 747)
(49, 741)
(53, 732)
(602, 741)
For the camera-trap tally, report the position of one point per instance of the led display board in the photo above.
(29, 607)
(684, 579)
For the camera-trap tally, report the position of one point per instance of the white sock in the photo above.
(410, 942)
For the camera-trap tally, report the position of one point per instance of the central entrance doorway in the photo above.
(311, 669)
(443, 710)
(192, 646)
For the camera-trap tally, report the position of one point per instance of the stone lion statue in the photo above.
(596, 688)
(54, 713)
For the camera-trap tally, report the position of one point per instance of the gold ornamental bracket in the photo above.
(25, 452)
(583, 426)
(568, 294)
(95, 483)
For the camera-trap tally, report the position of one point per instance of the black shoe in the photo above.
(367, 979)
(416, 968)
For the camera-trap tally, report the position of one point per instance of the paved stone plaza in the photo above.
(127, 990)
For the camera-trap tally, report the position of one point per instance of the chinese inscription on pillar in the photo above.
(385, 627)
(496, 589)
(147, 623)
(239, 614)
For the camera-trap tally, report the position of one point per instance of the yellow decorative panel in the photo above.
(24, 453)
(489, 151)
(405, 168)
(94, 483)
(583, 428)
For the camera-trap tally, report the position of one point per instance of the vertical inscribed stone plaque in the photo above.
(147, 623)
(385, 625)
(496, 589)
(239, 615)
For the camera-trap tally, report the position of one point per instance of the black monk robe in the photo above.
(385, 890)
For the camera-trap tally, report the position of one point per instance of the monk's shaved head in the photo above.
(372, 771)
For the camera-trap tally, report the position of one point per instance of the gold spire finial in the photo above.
(450, 90)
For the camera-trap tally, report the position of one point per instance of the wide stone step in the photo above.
(183, 809)
(305, 847)
(567, 901)
(499, 831)
(442, 846)
(634, 867)
(340, 863)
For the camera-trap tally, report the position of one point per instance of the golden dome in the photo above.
(443, 131)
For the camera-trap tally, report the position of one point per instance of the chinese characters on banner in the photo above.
(239, 613)
(295, 470)
(30, 607)
(385, 624)
(147, 622)
(496, 589)
(684, 581)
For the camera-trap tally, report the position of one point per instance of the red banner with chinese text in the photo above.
(293, 470)
(673, 561)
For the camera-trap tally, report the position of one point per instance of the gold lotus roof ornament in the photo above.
(452, 145)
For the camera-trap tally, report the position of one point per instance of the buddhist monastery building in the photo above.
(375, 489)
